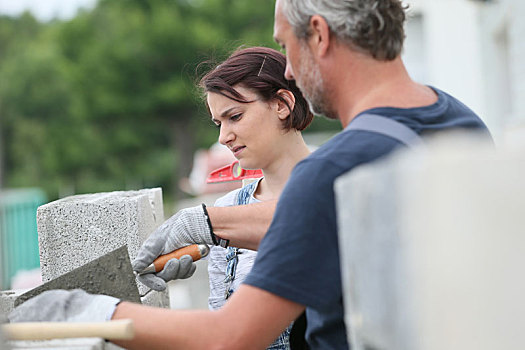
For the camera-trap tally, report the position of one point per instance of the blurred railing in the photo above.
(18, 231)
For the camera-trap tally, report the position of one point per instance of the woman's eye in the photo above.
(236, 117)
(217, 125)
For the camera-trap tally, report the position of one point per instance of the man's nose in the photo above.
(288, 72)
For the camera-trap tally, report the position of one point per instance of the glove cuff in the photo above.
(100, 308)
(215, 239)
(207, 216)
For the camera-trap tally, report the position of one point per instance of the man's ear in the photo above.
(285, 109)
(319, 40)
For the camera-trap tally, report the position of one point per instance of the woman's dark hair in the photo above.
(261, 70)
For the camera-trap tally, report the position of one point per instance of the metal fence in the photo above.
(18, 231)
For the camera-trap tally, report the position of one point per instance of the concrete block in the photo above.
(432, 249)
(78, 229)
(76, 344)
(3, 345)
(191, 293)
(369, 243)
(7, 300)
(61, 344)
(157, 299)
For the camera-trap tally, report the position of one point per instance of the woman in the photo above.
(260, 115)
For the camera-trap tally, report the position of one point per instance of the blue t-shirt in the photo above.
(298, 258)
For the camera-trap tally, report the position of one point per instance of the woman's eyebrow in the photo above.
(223, 115)
(227, 112)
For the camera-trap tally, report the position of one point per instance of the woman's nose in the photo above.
(225, 135)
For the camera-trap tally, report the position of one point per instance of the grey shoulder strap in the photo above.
(385, 126)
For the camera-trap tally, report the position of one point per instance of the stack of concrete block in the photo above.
(431, 247)
(76, 230)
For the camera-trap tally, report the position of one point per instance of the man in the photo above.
(345, 57)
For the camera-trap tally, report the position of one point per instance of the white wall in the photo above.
(515, 11)
(473, 50)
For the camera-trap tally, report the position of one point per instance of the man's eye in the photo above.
(218, 125)
(236, 117)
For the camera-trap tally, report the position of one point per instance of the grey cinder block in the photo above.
(157, 299)
(370, 250)
(76, 230)
(62, 344)
(431, 249)
(7, 300)
(3, 345)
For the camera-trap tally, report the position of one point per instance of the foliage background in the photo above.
(107, 101)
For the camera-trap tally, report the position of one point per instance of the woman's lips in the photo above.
(237, 151)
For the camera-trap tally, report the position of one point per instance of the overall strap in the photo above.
(244, 194)
(385, 126)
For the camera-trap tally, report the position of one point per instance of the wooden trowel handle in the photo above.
(196, 251)
(119, 329)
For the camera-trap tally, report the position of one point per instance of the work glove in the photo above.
(186, 227)
(65, 306)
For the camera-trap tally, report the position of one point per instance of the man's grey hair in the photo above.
(375, 27)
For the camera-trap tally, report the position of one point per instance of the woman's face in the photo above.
(252, 131)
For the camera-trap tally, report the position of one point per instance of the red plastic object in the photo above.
(232, 172)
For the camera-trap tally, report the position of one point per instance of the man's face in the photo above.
(300, 64)
(284, 36)
(310, 81)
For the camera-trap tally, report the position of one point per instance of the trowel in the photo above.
(111, 274)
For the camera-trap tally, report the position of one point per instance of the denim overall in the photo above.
(243, 197)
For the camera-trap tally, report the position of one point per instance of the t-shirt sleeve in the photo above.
(298, 258)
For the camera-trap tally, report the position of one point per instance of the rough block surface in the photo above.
(76, 230)
(7, 301)
(156, 299)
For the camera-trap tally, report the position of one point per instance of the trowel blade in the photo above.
(111, 274)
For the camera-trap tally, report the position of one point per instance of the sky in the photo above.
(45, 10)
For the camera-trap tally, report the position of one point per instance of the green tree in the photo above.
(14, 34)
(41, 132)
(136, 64)
(107, 100)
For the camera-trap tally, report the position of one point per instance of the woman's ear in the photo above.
(285, 109)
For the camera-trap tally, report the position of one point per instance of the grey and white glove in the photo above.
(65, 306)
(188, 226)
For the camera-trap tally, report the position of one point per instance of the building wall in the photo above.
(473, 50)
(514, 15)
